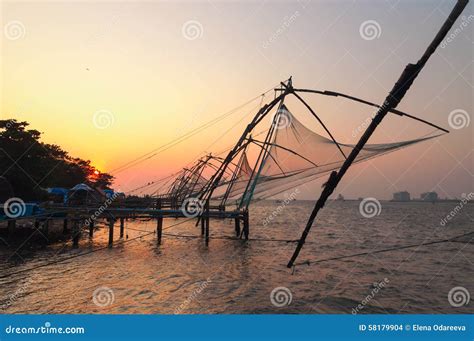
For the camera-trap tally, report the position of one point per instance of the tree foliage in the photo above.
(31, 165)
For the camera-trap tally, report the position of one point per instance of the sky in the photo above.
(110, 81)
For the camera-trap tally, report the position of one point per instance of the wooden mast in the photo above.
(394, 97)
(215, 179)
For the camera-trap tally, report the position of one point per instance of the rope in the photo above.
(147, 233)
(182, 138)
(396, 248)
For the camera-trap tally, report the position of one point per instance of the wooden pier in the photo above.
(76, 220)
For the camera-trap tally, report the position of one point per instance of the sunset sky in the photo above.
(156, 70)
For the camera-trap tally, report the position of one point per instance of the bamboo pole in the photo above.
(237, 226)
(206, 218)
(76, 231)
(11, 226)
(122, 227)
(111, 231)
(246, 225)
(216, 178)
(91, 228)
(65, 230)
(203, 225)
(394, 111)
(394, 97)
(159, 222)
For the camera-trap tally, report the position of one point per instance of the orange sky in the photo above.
(136, 65)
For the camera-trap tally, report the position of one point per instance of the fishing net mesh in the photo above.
(297, 155)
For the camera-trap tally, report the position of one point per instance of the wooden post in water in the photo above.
(203, 226)
(111, 231)
(237, 226)
(392, 100)
(205, 217)
(65, 230)
(159, 228)
(75, 233)
(11, 226)
(246, 224)
(91, 228)
(122, 226)
(46, 228)
(159, 221)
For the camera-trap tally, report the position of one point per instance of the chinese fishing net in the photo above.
(295, 155)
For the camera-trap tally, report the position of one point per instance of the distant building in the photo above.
(429, 196)
(401, 196)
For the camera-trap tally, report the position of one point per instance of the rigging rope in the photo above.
(147, 233)
(182, 138)
(395, 248)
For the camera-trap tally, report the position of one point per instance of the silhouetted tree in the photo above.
(31, 165)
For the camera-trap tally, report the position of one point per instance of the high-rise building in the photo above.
(429, 196)
(401, 196)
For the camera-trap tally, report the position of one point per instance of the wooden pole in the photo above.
(91, 228)
(75, 233)
(392, 100)
(203, 226)
(65, 230)
(122, 226)
(206, 218)
(159, 222)
(159, 228)
(111, 231)
(11, 226)
(246, 224)
(46, 228)
(237, 226)
(215, 179)
(395, 111)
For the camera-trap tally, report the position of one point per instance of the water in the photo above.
(184, 276)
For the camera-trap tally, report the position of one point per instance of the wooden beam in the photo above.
(91, 228)
(111, 231)
(394, 97)
(76, 232)
(122, 227)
